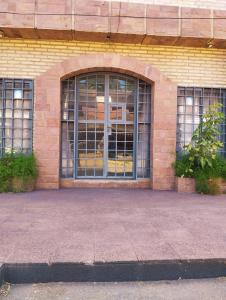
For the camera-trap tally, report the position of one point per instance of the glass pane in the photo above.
(144, 125)
(12, 100)
(190, 111)
(105, 126)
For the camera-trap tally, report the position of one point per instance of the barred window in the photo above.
(192, 102)
(106, 124)
(16, 107)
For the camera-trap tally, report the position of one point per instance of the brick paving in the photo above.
(78, 225)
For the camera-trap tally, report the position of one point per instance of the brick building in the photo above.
(106, 92)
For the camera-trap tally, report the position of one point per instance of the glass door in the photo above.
(105, 126)
(105, 135)
(91, 108)
(121, 143)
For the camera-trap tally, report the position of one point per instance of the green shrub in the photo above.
(202, 175)
(6, 172)
(205, 143)
(207, 186)
(24, 166)
(214, 186)
(17, 167)
(218, 168)
(182, 166)
(202, 185)
(223, 170)
(201, 160)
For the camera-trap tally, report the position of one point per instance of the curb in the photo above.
(1, 273)
(112, 271)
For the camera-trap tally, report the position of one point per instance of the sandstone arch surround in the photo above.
(47, 118)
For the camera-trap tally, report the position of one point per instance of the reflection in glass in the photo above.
(15, 108)
(192, 104)
(17, 94)
(106, 133)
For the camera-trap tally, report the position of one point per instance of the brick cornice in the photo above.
(114, 21)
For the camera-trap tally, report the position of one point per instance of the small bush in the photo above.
(206, 178)
(17, 171)
(182, 166)
(202, 161)
(6, 172)
(202, 185)
(24, 166)
(223, 171)
(214, 186)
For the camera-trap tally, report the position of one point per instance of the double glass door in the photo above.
(106, 110)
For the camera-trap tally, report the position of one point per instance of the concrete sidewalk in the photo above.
(93, 225)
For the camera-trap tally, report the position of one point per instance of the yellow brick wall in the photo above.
(185, 66)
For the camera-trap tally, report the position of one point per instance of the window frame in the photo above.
(184, 92)
(66, 158)
(18, 112)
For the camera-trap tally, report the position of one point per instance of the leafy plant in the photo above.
(214, 186)
(182, 166)
(201, 160)
(205, 143)
(17, 171)
(202, 185)
(24, 166)
(6, 172)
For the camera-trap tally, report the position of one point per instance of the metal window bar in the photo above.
(16, 115)
(91, 82)
(192, 102)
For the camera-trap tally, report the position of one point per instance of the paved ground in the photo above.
(110, 225)
(214, 289)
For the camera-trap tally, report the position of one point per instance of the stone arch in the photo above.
(47, 110)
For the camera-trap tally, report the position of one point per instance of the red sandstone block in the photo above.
(196, 27)
(47, 7)
(131, 10)
(159, 157)
(19, 21)
(42, 153)
(163, 183)
(128, 26)
(164, 171)
(54, 6)
(53, 122)
(53, 34)
(54, 22)
(91, 24)
(165, 26)
(50, 171)
(52, 161)
(47, 186)
(91, 16)
(185, 185)
(42, 107)
(27, 6)
(219, 26)
(128, 18)
(91, 8)
(223, 186)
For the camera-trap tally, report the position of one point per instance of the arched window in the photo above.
(106, 119)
